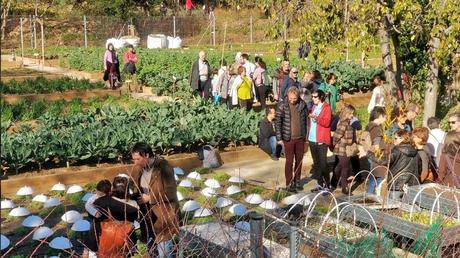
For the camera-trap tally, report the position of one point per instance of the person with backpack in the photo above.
(259, 81)
(428, 165)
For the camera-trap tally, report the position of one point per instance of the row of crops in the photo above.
(43, 85)
(167, 71)
(106, 132)
(160, 68)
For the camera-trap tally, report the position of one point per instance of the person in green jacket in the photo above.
(329, 88)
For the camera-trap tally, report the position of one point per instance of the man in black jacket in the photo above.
(200, 76)
(267, 135)
(290, 81)
(291, 132)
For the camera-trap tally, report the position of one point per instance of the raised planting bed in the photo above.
(398, 221)
(84, 95)
(447, 203)
(335, 240)
(42, 85)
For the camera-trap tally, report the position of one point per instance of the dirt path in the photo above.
(33, 64)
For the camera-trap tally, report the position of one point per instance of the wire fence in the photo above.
(232, 220)
(195, 29)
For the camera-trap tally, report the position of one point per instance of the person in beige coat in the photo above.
(155, 188)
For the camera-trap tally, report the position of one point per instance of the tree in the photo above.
(422, 35)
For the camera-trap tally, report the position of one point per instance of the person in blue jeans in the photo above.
(376, 119)
(267, 135)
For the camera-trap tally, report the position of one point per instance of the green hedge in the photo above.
(43, 85)
(107, 132)
(157, 67)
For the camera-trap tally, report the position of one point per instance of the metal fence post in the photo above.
(43, 43)
(84, 26)
(35, 32)
(250, 28)
(22, 42)
(213, 29)
(31, 33)
(174, 26)
(293, 242)
(256, 223)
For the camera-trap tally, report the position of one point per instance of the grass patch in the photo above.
(280, 195)
(34, 206)
(90, 187)
(56, 210)
(203, 170)
(141, 250)
(56, 193)
(259, 209)
(222, 177)
(362, 115)
(21, 231)
(201, 220)
(256, 189)
(206, 201)
(197, 183)
(21, 199)
(9, 218)
(74, 198)
(238, 196)
(185, 191)
(322, 209)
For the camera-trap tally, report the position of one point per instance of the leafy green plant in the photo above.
(256, 189)
(107, 132)
(43, 85)
(222, 177)
(168, 71)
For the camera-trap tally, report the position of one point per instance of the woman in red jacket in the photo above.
(319, 138)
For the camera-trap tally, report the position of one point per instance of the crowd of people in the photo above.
(399, 154)
(146, 194)
(306, 116)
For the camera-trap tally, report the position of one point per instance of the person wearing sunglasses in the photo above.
(290, 81)
(319, 138)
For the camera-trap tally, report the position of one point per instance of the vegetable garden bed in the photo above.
(106, 133)
(396, 220)
(84, 95)
(41, 85)
(447, 203)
